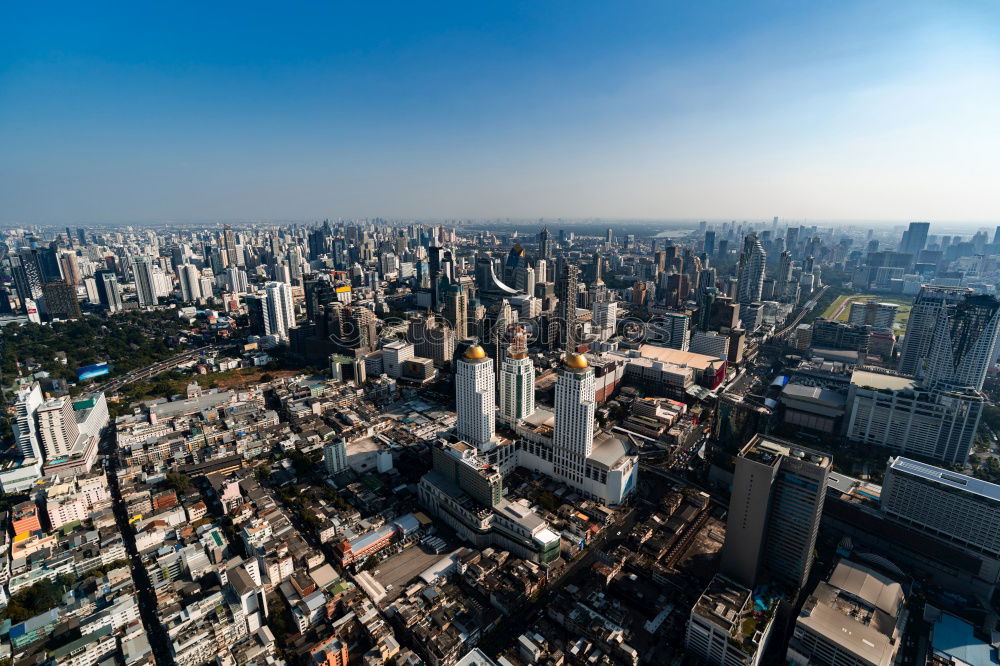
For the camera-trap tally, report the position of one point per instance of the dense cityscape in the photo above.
(496, 442)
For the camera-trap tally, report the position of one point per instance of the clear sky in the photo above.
(820, 110)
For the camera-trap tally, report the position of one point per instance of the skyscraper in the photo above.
(544, 244)
(964, 341)
(517, 381)
(923, 323)
(566, 292)
(456, 310)
(605, 318)
(750, 271)
(774, 511)
(108, 291)
(142, 269)
(573, 437)
(475, 397)
(710, 243)
(278, 310)
(27, 278)
(190, 280)
(57, 427)
(29, 399)
(914, 238)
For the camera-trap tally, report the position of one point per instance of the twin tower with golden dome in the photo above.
(572, 361)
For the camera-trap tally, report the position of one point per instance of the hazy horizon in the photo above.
(875, 113)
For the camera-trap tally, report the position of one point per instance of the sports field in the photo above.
(840, 309)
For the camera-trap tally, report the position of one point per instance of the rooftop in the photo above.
(945, 478)
(767, 450)
(882, 382)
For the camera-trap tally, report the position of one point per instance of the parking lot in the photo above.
(403, 567)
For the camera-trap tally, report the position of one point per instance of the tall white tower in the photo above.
(190, 279)
(279, 314)
(142, 270)
(475, 387)
(517, 381)
(573, 439)
(605, 318)
(57, 427)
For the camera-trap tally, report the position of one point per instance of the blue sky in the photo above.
(662, 110)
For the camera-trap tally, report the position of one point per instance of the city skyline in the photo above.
(856, 111)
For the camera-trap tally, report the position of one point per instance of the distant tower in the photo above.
(517, 381)
(108, 291)
(573, 438)
(190, 279)
(142, 268)
(544, 244)
(750, 271)
(566, 292)
(475, 397)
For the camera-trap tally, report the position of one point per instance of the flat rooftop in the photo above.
(678, 357)
(767, 449)
(945, 478)
(882, 382)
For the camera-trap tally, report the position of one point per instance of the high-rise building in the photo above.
(57, 427)
(544, 244)
(475, 397)
(189, 278)
(456, 310)
(145, 289)
(923, 323)
(950, 506)
(278, 310)
(964, 342)
(774, 511)
(60, 300)
(874, 314)
(675, 330)
(108, 291)
(335, 457)
(517, 381)
(750, 271)
(573, 437)
(394, 355)
(567, 291)
(914, 238)
(27, 278)
(605, 319)
(29, 399)
(236, 280)
(70, 267)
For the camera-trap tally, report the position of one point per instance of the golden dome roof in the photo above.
(576, 361)
(474, 352)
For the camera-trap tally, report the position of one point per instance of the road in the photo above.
(155, 631)
(155, 369)
(806, 308)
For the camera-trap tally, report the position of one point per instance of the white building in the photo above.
(279, 311)
(716, 629)
(335, 457)
(709, 343)
(605, 319)
(190, 280)
(475, 397)
(142, 270)
(394, 354)
(57, 427)
(29, 399)
(874, 314)
(573, 439)
(517, 387)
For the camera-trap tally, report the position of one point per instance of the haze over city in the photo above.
(868, 111)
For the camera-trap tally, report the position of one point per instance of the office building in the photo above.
(874, 314)
(475, 397)
(109, 293)
(605, 319)
(26, 275)
(854, 618)
(394, 355)
(236, 280)
(922, 324)
(60, 300)
(57, 427)
(573, 438)
(145, 288)
(718, 623)
(830, 334)
(914, 238)
(544, 244)
(278, 310)
(896, 413)
(675, 330)
(189, 278)
(70, 267)
(774, 511)
(517, 382)
(709, 343)
(950, 506)
(750, 271)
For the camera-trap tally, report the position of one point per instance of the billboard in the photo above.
(91, 371)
